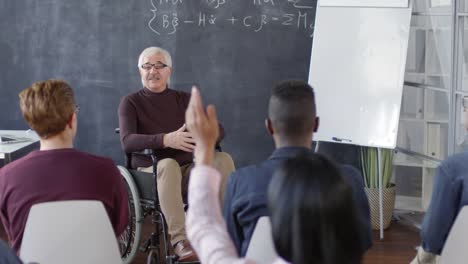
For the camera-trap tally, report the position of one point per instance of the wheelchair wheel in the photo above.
(129, 241)
(152, 258)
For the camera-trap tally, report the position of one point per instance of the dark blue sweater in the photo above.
(246, 197)
(449, 195)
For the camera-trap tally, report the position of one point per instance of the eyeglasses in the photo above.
(465, 102)
(77, 109)
(158, 66)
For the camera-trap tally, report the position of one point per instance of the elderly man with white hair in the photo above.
(154, 118)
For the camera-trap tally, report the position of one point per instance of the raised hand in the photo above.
(179, 139)
(204, 128)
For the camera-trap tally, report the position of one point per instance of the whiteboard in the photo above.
(365, 3)
(357, 71)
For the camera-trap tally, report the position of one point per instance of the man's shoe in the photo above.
(184, 251)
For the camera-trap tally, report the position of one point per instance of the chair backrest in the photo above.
(69, 232)
(261, 248)
(454, 250)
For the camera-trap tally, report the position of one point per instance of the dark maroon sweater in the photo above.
(59, 175)
(144, 118)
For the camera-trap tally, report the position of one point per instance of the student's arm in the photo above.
(442, 210)
(229, 215)
(186, 100)
(205, 225)
(206, 229)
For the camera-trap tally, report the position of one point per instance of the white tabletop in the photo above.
(9, 148)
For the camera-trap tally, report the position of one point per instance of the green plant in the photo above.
(369, 167)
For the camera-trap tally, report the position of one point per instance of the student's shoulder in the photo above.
(456, 164)
(253, 172)
(20, 170)
(351, 173)
(8, 169)
(18, 164)
(349, 169)
(95, 160)
(456, 159)
(249, 185)
(248, 170)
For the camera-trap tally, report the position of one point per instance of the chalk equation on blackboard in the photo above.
(217, 3)
(167, 23)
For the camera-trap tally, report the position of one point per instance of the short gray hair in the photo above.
(155, 50)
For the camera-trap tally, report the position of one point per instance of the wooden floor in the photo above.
(397, 247)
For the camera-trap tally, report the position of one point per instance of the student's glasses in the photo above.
(158, 66)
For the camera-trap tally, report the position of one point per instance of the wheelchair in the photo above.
(143, 202)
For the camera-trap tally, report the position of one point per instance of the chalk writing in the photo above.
(300, 16)
(233, 20)
(259, 2)
(288, 19)
(298, 4)
(173, 2)
(150, 23)
(216, 3)
(262, 22)
(170, 22)
(201, 19)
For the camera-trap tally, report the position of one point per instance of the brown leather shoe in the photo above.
(184, 250)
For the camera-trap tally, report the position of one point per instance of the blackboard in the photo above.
(222, 45)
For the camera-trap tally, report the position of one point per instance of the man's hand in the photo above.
(204, 128)
(179, 139)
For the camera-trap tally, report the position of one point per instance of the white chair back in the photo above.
(69, 232)
(455, 250)
(261, 248)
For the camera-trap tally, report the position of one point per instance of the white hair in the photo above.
(155, 50)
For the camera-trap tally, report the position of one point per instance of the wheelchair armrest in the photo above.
(145, 152)
(142, 152)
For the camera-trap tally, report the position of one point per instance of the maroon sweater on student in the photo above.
(59, 175)
(144, 118)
